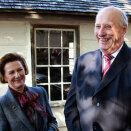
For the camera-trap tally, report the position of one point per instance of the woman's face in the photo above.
(14, 75)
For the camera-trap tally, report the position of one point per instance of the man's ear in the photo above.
(124, 29)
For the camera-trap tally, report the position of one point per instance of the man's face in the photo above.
(108, 31)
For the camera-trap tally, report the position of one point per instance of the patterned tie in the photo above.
(107, 59)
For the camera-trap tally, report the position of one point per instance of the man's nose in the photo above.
(101, 32)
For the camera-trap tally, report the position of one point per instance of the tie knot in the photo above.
(108, 57)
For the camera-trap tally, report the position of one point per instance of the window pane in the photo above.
(42, 56)
(55, 56)
(45, 87)
(55, 74)
(71, 53)
(55, 92)
(42, 38)
(55, 38)
(42, 74)
(71, 69)
(66, 57)
(65, 91)
(68, 38)
(66, 74)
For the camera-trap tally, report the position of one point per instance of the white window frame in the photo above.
(62, 101)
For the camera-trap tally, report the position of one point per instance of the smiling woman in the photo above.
(15, 75)
(26, 106)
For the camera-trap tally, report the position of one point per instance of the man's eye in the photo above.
(97, 26)
(108, 27)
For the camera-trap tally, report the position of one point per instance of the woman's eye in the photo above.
(11, 72)
(19, 70)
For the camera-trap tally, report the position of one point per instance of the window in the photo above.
(55, 52)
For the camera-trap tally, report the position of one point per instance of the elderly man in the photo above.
(100, 94)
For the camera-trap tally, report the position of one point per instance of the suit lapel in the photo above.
(98, 66)
(117, 66)
(11, 103)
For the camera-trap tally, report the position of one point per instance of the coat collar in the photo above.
(10, 102)
(119, 64)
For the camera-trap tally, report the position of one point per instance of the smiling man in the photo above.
(110, 29)
(99, 98)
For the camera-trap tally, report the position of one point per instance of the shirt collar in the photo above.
(115, 53)
(15, 93)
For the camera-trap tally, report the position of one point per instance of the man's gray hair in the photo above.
(123, 19)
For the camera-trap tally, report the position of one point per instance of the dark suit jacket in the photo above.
(12, 118)
(100, 104)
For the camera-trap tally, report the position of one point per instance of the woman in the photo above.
(22, 108)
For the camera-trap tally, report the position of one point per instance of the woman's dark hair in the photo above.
(10, 57)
